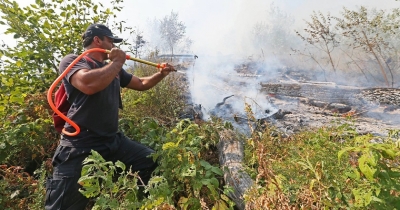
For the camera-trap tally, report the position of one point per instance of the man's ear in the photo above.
(97, 40)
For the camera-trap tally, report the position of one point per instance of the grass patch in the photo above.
(304, 171)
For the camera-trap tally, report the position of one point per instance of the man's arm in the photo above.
(92, 81)
(145, 83)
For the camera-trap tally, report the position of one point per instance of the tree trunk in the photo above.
(231, 154)
(377, 59)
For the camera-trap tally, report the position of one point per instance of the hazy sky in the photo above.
(218, 26)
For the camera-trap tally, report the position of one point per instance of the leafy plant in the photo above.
(302, 172)
(98, 181)
(193, 182)
(377, 173)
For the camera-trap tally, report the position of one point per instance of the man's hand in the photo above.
(117, 56)
(166, 69)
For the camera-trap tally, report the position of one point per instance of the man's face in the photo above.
(108, 43)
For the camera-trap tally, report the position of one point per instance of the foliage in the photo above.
(27, 134)
(139, 42)
(19, 190)
(191, 179)
(364, 30)
(377, 172)
(97, 181)
(44, 31)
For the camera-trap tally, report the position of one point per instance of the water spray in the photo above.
(59, 78)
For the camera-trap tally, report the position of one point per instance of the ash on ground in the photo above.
(304, 114)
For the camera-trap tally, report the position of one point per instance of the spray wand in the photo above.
(59, 78)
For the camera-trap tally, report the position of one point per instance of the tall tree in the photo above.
(172, 30)
(275, 33)
(368, 30)
(139, 42)
(321, 35)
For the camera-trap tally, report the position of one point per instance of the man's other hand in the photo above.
(166, 69)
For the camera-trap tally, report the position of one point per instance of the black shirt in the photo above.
(97, 114)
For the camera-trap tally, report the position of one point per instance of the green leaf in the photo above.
(345, 150)
(365, 162)
(217, 170)
(18, 63)
(354, 174)
(205, 181)
(362, 198)
(46, 24)
(189, 171)
(205, 164)
(389, 153)
(220, 205)
(121, 165)
(214, 182)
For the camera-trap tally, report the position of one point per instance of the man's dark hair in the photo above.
(87, 40)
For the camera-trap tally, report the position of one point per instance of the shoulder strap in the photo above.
(90, 61)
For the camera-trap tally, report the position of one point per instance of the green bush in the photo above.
(163, 102)
(27, 134)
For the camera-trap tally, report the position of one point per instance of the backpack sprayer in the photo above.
(59, 78)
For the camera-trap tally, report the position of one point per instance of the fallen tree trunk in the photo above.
(332, 93)
(326, 92)
(231, 154)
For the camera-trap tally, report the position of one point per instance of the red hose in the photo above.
(54, 85)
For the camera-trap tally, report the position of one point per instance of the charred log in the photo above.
(231, 154)
(332, 93)
(323, 92)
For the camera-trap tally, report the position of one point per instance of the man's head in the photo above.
(100, 31)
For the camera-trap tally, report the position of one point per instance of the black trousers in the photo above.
(62, 189)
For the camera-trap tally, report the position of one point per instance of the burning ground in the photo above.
(291, 100)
